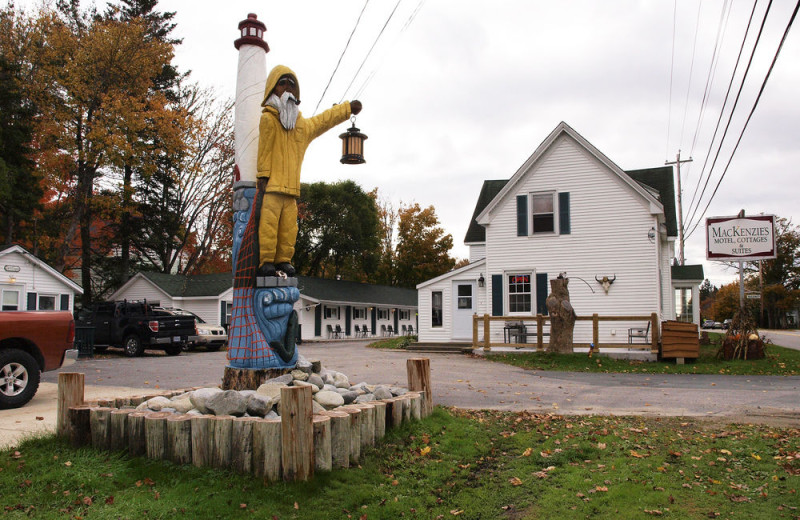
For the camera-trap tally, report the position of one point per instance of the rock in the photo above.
(398, 390)
(299, 375)
(259, 405)
(184, 395)
(303, 365)
(361, 388)
(316, 366)
(182, 405)
(247, 393)
(229, 402)
(382, 392)
(315, 380)
(142, 406)
(157, 403)
(341, 381)
(314, 388)
(285, 379)
(201, 396)
(329, 388)
(329, 400)
(194, 411)
(349, 396)
(271, 390)
(364, 398)
(272, 414)
(327, 377)
(317, 408)
(169, 410)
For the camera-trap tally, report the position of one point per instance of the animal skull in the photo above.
(605, 282)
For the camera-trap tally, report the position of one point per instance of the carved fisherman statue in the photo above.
(284, 135)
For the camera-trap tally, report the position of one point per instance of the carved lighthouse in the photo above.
(263, 324)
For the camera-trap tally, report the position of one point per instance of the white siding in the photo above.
(609, 226)
(208, 309)
(142, 289)
(477, 252)
(427, 333)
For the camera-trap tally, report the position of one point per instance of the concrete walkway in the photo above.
(457, 380)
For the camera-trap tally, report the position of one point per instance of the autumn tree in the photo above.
(423, 247)
(338, 231)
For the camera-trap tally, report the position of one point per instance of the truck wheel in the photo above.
(174, 349)
(19, 378)
(132, 346)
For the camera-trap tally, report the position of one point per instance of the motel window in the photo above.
(683, 304)
(436, 309)
(543, 212)
(383, 314)
(47, 302)
(465, 296)
(10, 300)
(331, 313)
(405, 314)
(359, 313)
(519, 293)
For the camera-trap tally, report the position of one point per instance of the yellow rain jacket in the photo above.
(280, 156)
(281, 151)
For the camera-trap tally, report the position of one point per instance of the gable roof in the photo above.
(35, 260)
(564, 129)
(687, 272)
(656, 184)
(322, 289)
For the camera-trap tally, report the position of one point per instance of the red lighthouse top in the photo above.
(252, 33)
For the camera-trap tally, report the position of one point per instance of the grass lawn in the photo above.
(779, 361)
(469, 465)
(395, 343)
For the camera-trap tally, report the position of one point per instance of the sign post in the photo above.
(741, 239)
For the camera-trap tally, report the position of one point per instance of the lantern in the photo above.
(353, 145)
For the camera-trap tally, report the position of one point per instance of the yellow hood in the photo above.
(272, 80)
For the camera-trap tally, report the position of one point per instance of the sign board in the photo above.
(753, 296)
(740, 239)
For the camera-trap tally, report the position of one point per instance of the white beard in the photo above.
(287, 109)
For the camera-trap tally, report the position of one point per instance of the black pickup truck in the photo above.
(135, 326)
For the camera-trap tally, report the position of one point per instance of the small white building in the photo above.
(29, 284)
(568, 209)
(323, 306)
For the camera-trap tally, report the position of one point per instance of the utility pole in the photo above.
(678, 162)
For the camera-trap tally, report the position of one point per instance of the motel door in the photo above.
(464, 306)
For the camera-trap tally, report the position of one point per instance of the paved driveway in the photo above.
(457, 380)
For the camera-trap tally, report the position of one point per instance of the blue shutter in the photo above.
(31, 302)
(318, 320)
(522, 215)
(374, 321)
(64, 302)
(564, 227)
(348, 316)
(541, 293)
(223, 312)
(497, 295)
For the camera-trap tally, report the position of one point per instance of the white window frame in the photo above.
(383, 314)
(331, 312)
(678, 292)
(508, 293)
(39, 301)
(359, 313)
(440, 309)
(405, 314)
(554, 198)
(3, 298)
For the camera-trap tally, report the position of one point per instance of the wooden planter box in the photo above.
(679, 340)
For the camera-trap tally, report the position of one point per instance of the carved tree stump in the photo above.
(562, 316)
(249, 379)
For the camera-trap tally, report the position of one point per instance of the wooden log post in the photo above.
(562, 316)
(487, 329)
(80, 428)
(249, 379)
(340, 438)
(121, 402)
(406, 400)
(297, 433)
(380, 419)
(267, 449)
(354, 421)
(137, 445)
(155, 435)
(100, 423)
(416, 402)
(201, 440)
(322, 443)
(119, 429)
(596, 330)
(367, 424)
(397, 412)
(221, 441)
(419, 380)
(70, 393)
(179, 438)
(242, 444)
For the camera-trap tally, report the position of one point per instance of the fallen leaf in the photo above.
(527, 452)
(601, 488)
(68, 464)
(757, 457)
(39, 418)
(601, 445)
(456, 512)
(515, 481)
(634, 454)
(424, 451)
(296, 505)
(654, 512)
(242, 506)
(110, 500)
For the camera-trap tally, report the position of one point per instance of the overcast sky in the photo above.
(465, 91)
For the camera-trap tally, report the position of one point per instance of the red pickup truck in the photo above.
(31, 342)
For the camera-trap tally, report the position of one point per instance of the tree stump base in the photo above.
(249, 378)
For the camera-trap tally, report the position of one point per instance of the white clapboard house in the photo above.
(27, 283)
(334, 309)
(568, 209)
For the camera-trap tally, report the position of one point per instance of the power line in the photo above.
(722, 112)
(342, 56)
(370, 49)
(671, 72)
(691, 71)
(752, 110)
